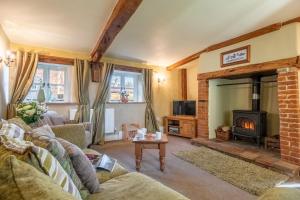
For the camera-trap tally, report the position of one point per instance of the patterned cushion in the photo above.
(58, 151)
(54, 170)
(19, 180)
(15, 145)
(12, 130)
(82, 166)
(43, 131)
(19, 122)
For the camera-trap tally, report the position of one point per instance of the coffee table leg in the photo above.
(162, 155)
(138, 156)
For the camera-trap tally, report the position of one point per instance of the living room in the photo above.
(146, 99)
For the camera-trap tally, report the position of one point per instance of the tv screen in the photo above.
(184, 108)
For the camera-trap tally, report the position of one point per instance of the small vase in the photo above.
(124, 99)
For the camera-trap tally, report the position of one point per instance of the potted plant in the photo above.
(124, 96)
(31, 112)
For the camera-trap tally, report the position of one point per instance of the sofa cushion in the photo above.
(135, 186)
(58, 151)
(19, 122)
(281, 194)
(19, 180)
(12, 130)
(104, 175)
(82, 166)
(44, 130)
(54, 170)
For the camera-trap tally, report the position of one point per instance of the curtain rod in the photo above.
(245, 83)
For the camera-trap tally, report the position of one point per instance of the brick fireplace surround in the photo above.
(288, 101)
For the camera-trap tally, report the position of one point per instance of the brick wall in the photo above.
(289, 114)
(202, 108)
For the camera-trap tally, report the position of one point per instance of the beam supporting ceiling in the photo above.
(247, 36)
(121, 14)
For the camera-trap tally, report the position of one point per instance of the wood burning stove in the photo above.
(251, 123)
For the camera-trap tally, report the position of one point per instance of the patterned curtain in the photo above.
(99, 105)
(26, 67)
(150, 119)
(83, 78)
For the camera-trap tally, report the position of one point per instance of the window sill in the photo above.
(126, 103)
(61, 103)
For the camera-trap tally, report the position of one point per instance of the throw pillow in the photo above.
(43, 131)
(19, 122)
(82, 166)
(58, 151)
(15, 145)
(12, 130)
(19, 180)
(54, 170)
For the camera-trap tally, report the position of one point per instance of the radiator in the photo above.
(72, 113)
(109, 120)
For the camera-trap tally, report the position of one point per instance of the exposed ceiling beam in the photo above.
(121, 14)
(247, 36)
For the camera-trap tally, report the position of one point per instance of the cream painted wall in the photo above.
(272, 46)
(224, 99)
(4, 74)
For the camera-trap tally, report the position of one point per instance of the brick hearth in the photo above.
(289, 111)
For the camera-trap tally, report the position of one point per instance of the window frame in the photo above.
(124, 74)
(47, 68)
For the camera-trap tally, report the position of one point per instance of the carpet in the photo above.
(247, 176)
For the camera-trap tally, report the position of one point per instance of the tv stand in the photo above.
(181, 125)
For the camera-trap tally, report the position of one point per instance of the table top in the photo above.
(150, 139)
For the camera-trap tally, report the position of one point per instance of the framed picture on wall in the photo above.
(235, 56)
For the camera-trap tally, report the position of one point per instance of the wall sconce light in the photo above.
(9, 59)
(161, 78)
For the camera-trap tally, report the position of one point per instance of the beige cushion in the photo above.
(135, 186)
(82, 165)
(20, 181)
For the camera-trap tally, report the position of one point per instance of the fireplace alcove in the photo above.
(232, 104)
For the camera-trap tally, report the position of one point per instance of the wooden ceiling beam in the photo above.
(241, 38)
(56, 60)
(121, 14)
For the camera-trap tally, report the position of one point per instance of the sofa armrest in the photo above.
(74, 133)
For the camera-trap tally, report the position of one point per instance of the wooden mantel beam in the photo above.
(121, 14)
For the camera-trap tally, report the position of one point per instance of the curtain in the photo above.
(83, 79)
(26, 63)
(150, 119)
(99, 105)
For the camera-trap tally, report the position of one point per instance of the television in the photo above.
(184, 108)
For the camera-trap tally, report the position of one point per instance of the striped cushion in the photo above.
(54, 170)
(12, 130)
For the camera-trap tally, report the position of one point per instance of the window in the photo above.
(53, 78)
(128, 82)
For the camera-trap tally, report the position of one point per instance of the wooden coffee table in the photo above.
(150, 142)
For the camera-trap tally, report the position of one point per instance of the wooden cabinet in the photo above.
(185, 126)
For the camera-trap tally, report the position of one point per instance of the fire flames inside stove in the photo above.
(246, 124)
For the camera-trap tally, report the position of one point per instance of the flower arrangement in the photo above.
(30, 112)
(124, 96)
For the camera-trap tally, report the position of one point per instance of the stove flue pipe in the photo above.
(256, 93)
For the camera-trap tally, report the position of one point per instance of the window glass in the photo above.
(57, 77)
(52, 78)
(127, 83)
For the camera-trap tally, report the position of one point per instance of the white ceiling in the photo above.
(64, 24)
(164, 31)
(161, 32)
